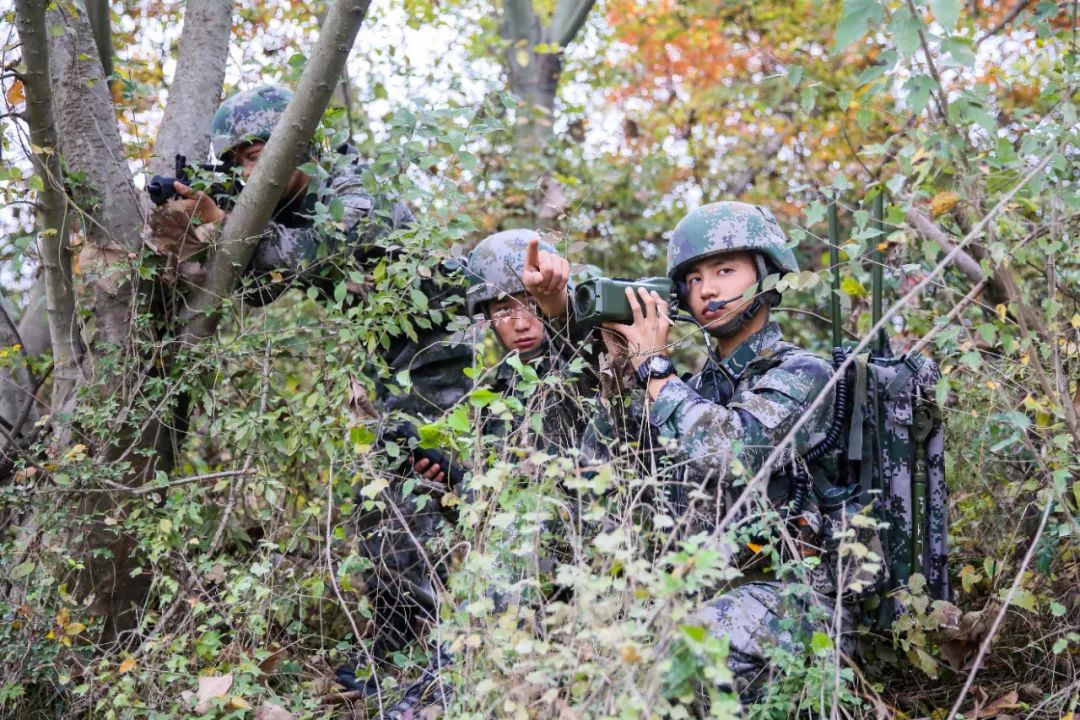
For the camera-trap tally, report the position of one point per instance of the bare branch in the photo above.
(929, 230)
(568, 18)
(278, 160)
(1005, 21)
(52, 240)
(196, 87)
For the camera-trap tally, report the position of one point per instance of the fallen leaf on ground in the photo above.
(210, 687)
(1007, 701)
(270, 711)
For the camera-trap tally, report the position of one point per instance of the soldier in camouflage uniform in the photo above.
(520, 285)
(723, 422)
(293, 251)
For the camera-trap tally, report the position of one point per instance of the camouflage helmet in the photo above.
(495, 267)
(727, 227)
(248, 116)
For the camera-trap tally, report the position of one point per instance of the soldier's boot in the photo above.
(346, 677)
(431, 690)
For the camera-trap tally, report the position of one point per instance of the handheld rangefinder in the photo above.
(600, 300)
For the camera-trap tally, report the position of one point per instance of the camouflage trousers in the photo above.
(751, 617)
(401, 583)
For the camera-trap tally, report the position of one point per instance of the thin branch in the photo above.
(929, 230)
(568, 18)
(1005, 21)
(277, 162)
(766, 467)
(984, 647)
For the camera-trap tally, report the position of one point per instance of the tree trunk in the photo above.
(278, 160)
(534, 78)
(34, 321)
(98, 13)
(53, 240)
(196, 87)
(91, 146)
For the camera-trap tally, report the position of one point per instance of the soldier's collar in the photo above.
(759, 345)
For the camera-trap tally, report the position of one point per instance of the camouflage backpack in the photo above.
(895, 461)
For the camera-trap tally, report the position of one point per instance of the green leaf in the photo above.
(918, 89)
(1021, 598)
(21, 570)
(1057, 609)
(697, 633)
(946, 12)
(960, 49)
(337, 209)
(821, 643)
(857, 15)
(906, 29)
(815, 213)
(795, 73)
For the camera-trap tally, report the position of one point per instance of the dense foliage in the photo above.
(239, 552)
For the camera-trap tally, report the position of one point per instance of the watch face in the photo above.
(657, 364)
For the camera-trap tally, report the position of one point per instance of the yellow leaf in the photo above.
(127, 665)
(629, 653)
(1075, 321)
(76, 452)
(74, 629)
(1001, 310)
(943, 202)
(374, 487)
(16, 94)
(239, 703)
(522, 57)
(63, 617)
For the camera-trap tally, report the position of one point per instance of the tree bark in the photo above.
(534, 78)
(34, 320)
(196, 87)
(53, 240)
(16, 382)
(98, 13)
(278, 160)
(91, 145)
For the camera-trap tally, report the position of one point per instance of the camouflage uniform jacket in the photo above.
(736, 410)
(567, 383)
(291, 244)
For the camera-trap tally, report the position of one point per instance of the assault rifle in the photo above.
(223, 187)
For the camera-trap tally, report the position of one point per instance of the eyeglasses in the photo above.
(520, 310)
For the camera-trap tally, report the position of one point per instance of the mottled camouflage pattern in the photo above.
(740, 408)
(247, 116)
(758, 616)
(496, 264)
(727, 227)
(293, 246)
(891, 396)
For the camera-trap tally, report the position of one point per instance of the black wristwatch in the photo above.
(656, 366)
